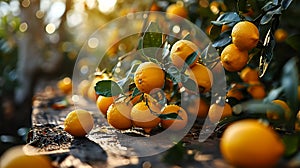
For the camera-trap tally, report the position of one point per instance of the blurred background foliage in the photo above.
(65, 25)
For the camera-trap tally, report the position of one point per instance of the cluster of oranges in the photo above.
(145, 109)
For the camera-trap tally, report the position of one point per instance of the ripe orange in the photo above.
(216, 110)
(65, 85)
(249, 143)
(202, 76)
(149, 76)
(176, 9)
(249, 75)
(181, 50)
(287, 111)
(16, 158)
(174, 124)
(79, 122)
(103, 104)
(142, 117)
(245, 35)
(118, 115)
(234, 59)
(236, 91)
(201, 111)
(280, 35)
(256, 90)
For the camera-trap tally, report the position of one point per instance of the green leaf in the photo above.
(192, 57)
(291, 143)
(285, 4)
(223, 40)
(215, 31)
(289, 81)
(152, 38)
(294, 42)
(136, 92)
(108, 88)
(273, 94)
(170, 116)
(269, 15)
(228, 18)
(266, 53)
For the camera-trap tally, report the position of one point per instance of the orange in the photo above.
(16, 158)
(249, 143)
(65, 85)
(287, 111)
(176, 9)
(217, 112)
(201, 111)
(149, 76)
(118, 115)
(142, 117)
(174, 124)
(249, 75)
(280, 35)
(245, 35)
(202, 76)
(256, 90)
(154, 7)
(103, 103)
(181, 50)
(234, 59)
(236, 91)
(79, 122)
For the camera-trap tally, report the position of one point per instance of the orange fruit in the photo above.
(181, 50)
(142, 117)
(149, 76)
(65, 85)
(256, 90)
(118, 115)
(176, 9)
(217, 112)
(154, 7)
(236, 91)
(201, 111)
(287, 111)
(280, 35)
(174, 124)
(79, 122)
(249, 75)
(103, 103)
(15, 157)
(234, 59)
(249, 143)
(202, 76)
(245, 35)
